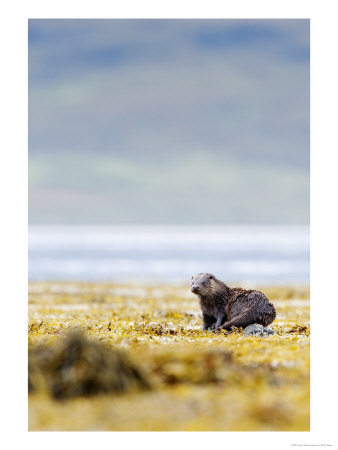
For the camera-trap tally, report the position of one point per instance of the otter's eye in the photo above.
(210, 278)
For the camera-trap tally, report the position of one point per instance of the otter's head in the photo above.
(202, 284)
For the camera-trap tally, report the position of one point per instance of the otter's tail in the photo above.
(238, 321)
(248, 317)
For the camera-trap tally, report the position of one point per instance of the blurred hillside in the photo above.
(169, 121)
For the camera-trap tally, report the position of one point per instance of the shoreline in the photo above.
(195, 374)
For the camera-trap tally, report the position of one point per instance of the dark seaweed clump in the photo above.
(76, 366)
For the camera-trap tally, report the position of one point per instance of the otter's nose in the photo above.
(194, 288)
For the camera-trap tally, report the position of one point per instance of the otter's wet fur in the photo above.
(225, 307)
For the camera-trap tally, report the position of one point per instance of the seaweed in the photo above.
(75, 366)
(142, 362)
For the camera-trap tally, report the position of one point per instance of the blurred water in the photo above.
(275, 255)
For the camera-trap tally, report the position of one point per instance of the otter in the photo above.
(224, 307)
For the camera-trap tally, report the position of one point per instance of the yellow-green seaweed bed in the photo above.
(199, 380)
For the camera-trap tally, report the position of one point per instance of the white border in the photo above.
(324, 224)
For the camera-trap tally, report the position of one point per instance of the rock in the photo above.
(258, 330)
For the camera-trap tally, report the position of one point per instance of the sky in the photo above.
(169, 121)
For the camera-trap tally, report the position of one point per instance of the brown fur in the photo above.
(225, 307)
